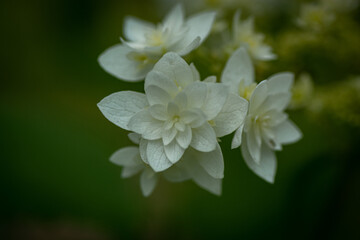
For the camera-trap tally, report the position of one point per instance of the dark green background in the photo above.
(56, 180)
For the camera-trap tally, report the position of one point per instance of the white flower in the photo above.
(266, 127)
(244, 35)
(177, 112)
(146, 43)
(194, 165)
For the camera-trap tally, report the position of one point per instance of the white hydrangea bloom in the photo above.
(146, 43)
(266, 127)
(178, 112)
(190, 167)
(244, 35)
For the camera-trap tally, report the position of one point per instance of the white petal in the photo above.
(121, 106)
(194, 117)
(184, 138)
(215, 99)
(196, 94)
(204, 138)
(280, 83)
(136, 29)
(184, 50)
(134, 137)
(253, 145)
(175, 18)
(267, 167)
(159, 112)
(277, 101)
(232, 115)
(148, 180)
(176, 69)
(236, 141)
(143, 123)
(126, 156)
(156, 95)
(176, 174)
(196, 74)
(162, 81)
(210, 79)
(156, 156)
(239, 67)
(181, 100)
(169, 135)
(173, 151)
(131, 171)
(116, 62)
(287, 132)
(212, 162)
(258, 97)
(199, 175)
(143, 149)
(172, 109)
(200, 25)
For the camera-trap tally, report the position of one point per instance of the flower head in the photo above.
(266, 127)
(177, 112)
(145, 43)
(244, 35)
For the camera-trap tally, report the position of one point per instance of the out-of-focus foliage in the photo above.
(57, 182)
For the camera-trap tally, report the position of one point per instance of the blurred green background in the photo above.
(56, 180)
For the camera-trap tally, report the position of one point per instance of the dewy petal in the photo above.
(204, 138)
(148, 180)
(156, 156)
(212, 162)
(287, 132)
(176, 174)
(215, 99)
(176, 69)
(238, 68)
(156, 95)
(162, 81)
(143, 123)
(173, 151)
(175, 18)
(125, 156)
(232, 115)
(236, 142)
(196, 94)
(280, 83)
(120, 107)
(200, 25)
(136, 29)
(267, 167)
(258, 97)
(116, 62)
(184, 138)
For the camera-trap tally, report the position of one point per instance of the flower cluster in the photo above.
(179, 119)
